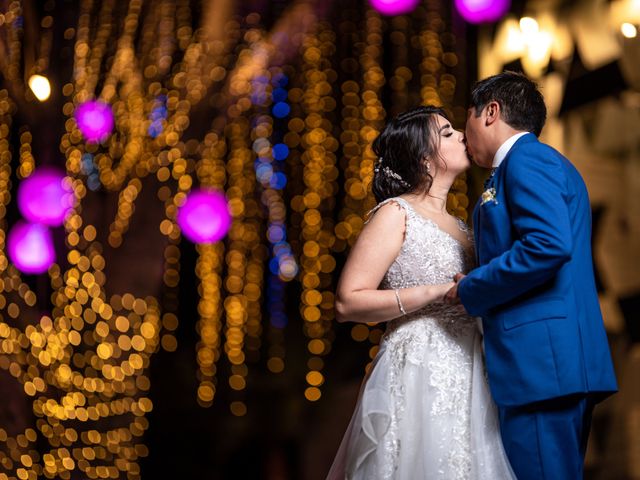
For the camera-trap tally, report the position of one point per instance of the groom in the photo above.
(547, 355)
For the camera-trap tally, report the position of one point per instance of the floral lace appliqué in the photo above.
(431, 256)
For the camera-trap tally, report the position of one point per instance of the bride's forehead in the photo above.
(441, 121)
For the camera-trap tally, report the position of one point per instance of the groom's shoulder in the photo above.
(532, 152)
(536, 156)
(531, 143)
(533, 148)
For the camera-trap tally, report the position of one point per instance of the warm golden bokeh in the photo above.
(83, 363)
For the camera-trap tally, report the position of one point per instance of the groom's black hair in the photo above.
(521, 103)
(402, 147)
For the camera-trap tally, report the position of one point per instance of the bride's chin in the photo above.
(464, 165)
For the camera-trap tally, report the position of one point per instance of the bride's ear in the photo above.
(428, 165)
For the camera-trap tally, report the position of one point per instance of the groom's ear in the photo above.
(492, 113)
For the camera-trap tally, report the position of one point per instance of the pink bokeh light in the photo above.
(394, 7)
(30, 247)
(204, 217)
(45, 197)
(482, 11)
(95, 120)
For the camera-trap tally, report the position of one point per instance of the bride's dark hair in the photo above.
(401, 148)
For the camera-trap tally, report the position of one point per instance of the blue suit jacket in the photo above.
(534, 287)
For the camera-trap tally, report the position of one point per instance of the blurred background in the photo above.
(181, 181)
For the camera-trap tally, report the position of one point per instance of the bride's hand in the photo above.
(436, 293)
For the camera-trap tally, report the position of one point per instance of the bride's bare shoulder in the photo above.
(391, 211)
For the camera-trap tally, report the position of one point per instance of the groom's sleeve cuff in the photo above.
(467, 299)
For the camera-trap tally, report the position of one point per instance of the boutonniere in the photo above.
(489, 195)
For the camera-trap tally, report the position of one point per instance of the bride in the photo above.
(424, 410)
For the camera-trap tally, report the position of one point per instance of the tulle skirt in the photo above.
(400, 431)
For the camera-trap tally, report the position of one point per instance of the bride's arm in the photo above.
(358, 298)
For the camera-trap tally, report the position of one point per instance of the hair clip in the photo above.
(390, 173)
(376, 167)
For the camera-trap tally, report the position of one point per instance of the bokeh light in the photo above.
(482, 11)
(394, 7)
(204, 217)
(30, 247)
(45, 197)
(95, 120)
(292, 158)
(280, 151)
(629, 30)
(40, 87)
(281, 109)
(158, 116)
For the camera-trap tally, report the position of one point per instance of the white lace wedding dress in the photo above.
(425, 411)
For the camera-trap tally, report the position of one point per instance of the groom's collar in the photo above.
(505, 147)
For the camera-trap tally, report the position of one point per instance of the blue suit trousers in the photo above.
(548, 440)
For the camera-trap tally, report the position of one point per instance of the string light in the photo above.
(6, 119)
(282, 264)
(365, 117)
(402, 73)
(209, 269)
(241, 235)
(317, 201)
(11, 64)
(27, 162)
(40, 87)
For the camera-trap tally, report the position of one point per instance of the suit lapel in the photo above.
(491, 182)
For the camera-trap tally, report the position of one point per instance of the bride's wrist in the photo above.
(431, 294)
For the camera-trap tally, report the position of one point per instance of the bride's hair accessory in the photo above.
(400, 306)
(389, 173)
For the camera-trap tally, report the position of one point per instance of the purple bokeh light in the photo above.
(95, 120)
(204, 217)
(45, 197)
(394, 7)
(482, 11)
(30, 247)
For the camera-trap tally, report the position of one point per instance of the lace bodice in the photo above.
(438, 338)
(429, 255)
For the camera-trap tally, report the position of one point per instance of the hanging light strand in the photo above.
(27, 162)
(271, 171)
(209, 269)
(241, 234)
(319, 175)
(401, 70)
(6, 118)
(438, 84)
(10, 63)
(373, 115)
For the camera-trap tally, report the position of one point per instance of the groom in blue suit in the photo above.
(547, 355)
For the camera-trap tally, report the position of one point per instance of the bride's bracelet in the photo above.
(400, 302)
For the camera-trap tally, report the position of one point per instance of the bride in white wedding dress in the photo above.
(424, 410)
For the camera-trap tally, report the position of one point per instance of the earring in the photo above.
(428, 167)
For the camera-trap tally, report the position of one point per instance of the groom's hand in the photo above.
(451, 297)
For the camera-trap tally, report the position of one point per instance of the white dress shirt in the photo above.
(504, 149)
